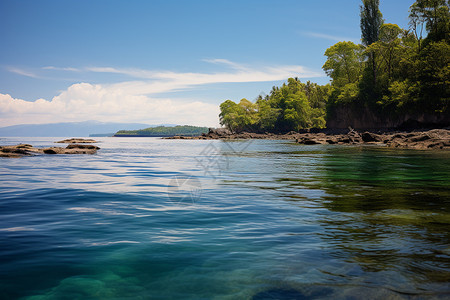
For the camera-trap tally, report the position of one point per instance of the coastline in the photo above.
(423, 139)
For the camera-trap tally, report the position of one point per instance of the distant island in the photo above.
(65, 129)
(163, 131)
(101, 134)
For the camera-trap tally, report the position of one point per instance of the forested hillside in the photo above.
(395, 77)
(164, 131)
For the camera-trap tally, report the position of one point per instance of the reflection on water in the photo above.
(276, 221)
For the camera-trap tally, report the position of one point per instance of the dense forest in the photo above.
(394, 75)
(185, 130)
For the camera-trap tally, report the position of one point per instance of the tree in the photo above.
(434, 77)
(371, 21)
(436, 16)
(292, 106)
(387, 52)
(267, 115)
(248, 117)
(229, 113)
(344, 63)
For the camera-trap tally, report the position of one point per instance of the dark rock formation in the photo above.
(26, 150)
(370, 137)
(431, 139)
(15, 151)
(421, 140)
(77, 141)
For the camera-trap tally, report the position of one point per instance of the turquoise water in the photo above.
(147, 218)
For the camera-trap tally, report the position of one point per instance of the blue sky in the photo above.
(162, 61)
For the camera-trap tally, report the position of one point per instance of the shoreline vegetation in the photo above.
(392, 89)
(384, 91)
(163, 131)
(396, 78)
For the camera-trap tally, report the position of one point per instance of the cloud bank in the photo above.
(137, 100)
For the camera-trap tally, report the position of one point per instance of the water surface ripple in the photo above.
(147, 218)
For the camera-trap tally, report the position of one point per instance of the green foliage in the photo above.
(400, 94)
(396, 71)
(238, 117)
(348, 93)
(434, 76)
(164, 131)
(268, 115)
(293, 106)
(371, 21)
(435, 15)
(344, 63)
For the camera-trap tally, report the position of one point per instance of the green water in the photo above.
(147, 218)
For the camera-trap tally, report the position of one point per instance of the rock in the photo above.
(345, 140)
(331, 141)
(426, 140)
(21, 146)
(76, 146)
(72, 149)
(219, 131)
(310, 142)
(368, 137)
(26, 150)
(423, 140)
(311, 139)
(420, 138)
(13, 151)
(53, 150)
(77, 141)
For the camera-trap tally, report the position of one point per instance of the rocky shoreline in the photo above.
(21, 150)
(421, 139)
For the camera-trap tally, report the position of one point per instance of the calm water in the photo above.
(147, 218)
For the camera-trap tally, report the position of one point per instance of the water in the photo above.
(147, 218)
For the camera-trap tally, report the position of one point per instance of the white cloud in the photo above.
(22, 72)
(61, 69)
(226, 62)
(329, 37)
(137, 101)
(84, 101)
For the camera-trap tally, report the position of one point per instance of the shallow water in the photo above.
(147, 218)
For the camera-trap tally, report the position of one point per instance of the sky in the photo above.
(162, 61)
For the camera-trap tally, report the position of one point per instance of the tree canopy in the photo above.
(394, 71)
(293, 106)
(185, 130)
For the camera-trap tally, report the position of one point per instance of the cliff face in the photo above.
(365, 119)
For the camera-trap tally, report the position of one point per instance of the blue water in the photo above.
(147, 218)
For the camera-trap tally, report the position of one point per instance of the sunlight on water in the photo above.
(147, 218)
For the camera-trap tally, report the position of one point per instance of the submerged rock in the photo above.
(310, 292)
